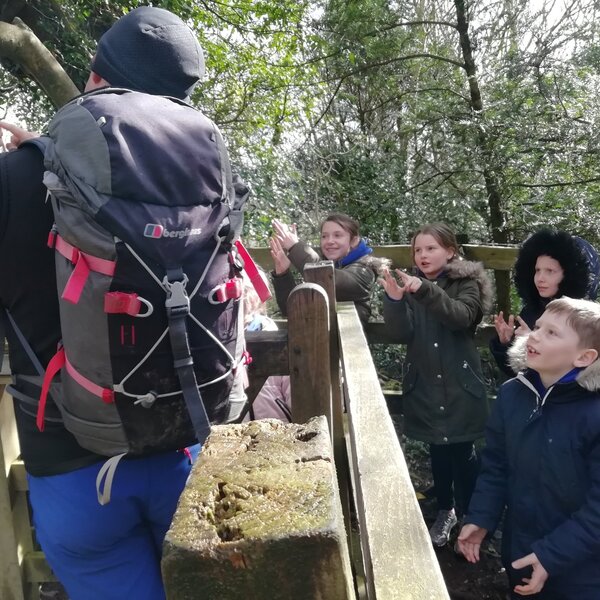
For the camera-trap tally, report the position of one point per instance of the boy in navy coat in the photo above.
(542, 460)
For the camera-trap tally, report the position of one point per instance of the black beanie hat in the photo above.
(150, 50)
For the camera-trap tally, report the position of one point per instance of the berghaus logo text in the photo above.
(153, 230)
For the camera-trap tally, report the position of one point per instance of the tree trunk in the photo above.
(491, 173)
(19, 45)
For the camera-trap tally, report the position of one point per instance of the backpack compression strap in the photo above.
(57, 362)
(178, 310)
(84, 263)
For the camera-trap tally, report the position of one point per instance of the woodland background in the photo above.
(481, 113)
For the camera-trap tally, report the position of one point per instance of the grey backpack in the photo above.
(146, 217)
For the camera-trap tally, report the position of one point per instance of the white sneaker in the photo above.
(442, 527)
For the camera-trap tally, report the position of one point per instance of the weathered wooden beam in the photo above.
(308, 346)
(11, 581)
(501, 258)
(323, 274)
(398, 556)
(269, 352)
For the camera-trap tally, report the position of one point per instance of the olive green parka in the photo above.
(443, 391)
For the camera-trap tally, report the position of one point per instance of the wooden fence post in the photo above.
(308, 346)
(11, 582)
(323, 274)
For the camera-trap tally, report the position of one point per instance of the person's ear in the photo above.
(354, 242)
(95, 82)
(586, 358)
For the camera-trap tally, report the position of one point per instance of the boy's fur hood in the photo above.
(467, 269)
(588, 379)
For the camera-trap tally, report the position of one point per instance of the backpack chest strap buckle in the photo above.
(177, 302)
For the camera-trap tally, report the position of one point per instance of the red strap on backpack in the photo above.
(84, 263)
(255, 276)
(120, 302)
(57, 362)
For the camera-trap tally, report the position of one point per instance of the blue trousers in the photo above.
(109, 552)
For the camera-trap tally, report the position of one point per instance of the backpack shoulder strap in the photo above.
(41, 143)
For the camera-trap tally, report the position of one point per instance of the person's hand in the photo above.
(505, 330)
(535, 583)
(280, 259)
(390, 285)
(286, 234)
(469, 541)
(17, 135)
(523, 328)
(410, 282)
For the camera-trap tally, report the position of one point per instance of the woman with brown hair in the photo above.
(355, 269)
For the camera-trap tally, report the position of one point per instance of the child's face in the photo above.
(335, 241)
(548, 275)
(553, 347)
(431, 257)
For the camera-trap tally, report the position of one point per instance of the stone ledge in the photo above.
(260, 517)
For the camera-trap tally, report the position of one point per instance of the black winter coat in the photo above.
(443, 390)
(28, 291)
(353, 282)
(542, 461)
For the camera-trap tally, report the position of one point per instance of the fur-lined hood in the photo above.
(588, 378)
(377, 264)
(466, 269)
(562, 247)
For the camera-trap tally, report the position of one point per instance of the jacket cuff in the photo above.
(277, 275)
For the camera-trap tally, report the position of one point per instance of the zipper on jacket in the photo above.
(538, 399)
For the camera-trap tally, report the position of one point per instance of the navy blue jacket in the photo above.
(542, 461)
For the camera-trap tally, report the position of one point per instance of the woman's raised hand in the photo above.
(285, 234)
(505, 330)
(280, 259)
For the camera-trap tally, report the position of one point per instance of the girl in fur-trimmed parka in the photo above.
(436, 313)
(550, 264)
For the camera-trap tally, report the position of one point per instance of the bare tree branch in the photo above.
(19, 45)
(557, 183)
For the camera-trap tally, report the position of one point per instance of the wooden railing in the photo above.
(24, 566)
(500, 258)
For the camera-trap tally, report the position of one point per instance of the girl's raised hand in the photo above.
(505, 330)
(286, 234)
(410, 282)
(391, 287)
(523, 328)
(280, 259)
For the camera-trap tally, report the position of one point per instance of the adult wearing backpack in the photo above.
(108, 552)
